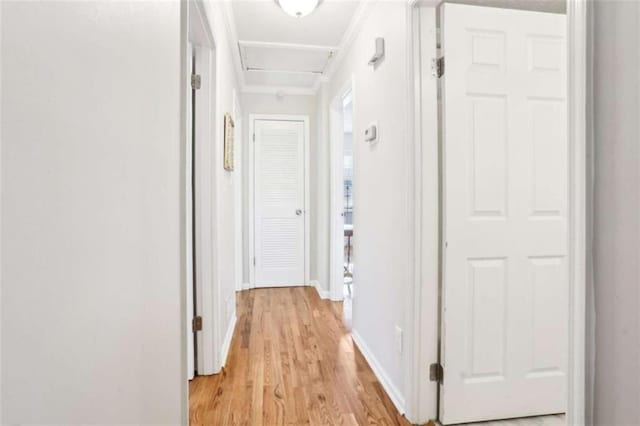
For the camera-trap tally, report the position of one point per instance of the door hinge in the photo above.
(254, 137)
(196, 324)
(254, 261)
(436, 373)
(195, 81)
(437, 67)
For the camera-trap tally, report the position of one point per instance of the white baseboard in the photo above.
(389, 387)
(324, 294)
(246, 286)
(226, 343)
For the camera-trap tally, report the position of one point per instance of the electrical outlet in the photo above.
(399, 339)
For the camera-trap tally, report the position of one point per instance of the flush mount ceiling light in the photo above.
(298, 8)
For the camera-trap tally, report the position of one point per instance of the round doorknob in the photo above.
(298, 212)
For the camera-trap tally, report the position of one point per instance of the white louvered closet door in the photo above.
(279, 203)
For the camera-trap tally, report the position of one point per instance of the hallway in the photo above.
(292, 361)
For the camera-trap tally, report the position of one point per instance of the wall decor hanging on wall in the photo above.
(228, 142)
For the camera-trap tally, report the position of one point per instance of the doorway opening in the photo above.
(342, 159)
(348, 196)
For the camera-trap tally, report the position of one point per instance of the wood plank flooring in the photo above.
(291, 362)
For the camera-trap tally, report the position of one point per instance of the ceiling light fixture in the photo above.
(298, 8)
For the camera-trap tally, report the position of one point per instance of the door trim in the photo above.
(251, 210)
(200, 37)
(336, 188)
(425, 287)
(238, 183)
(422, 296)
(577, 21)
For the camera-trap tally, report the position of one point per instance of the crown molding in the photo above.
(361, 13)
(279, 90)
(232, 35)
(364, 8)
(425, 3)
(290, 46)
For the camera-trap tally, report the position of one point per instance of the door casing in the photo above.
(251, 210)
(336, 191)
(200, 39)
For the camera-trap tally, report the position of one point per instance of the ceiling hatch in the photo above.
(283, 64)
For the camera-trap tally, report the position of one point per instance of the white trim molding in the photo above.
(577, 14)
(290, 46)
(423, 309)
(362, 12)
(226, 343)
(324, 294)
(277, 90)
(394, 393)
(336, 166)
(232, 31)
(201, 37)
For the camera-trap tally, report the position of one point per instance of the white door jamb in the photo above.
(201, 38)
(336, 188)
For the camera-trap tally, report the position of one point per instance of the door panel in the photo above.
(505, 214)
(279, 203)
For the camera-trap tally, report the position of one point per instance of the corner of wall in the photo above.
(226, 343)
(394, 393)
(322, 292)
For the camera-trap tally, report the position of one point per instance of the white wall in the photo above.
(255, 103)
(616, 238)
(91, 213)
(382, 189)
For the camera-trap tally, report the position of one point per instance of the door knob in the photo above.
(298, 212)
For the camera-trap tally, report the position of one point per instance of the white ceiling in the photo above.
(278, 52)
(263, 20)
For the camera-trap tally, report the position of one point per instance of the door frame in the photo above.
(238, 179)
(251, 210)
(200, 38)
(336, 187)
(421, 393)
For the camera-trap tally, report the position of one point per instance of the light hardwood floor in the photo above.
(291, 362)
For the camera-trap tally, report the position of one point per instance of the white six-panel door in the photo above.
(279, 203)
(505, 286)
